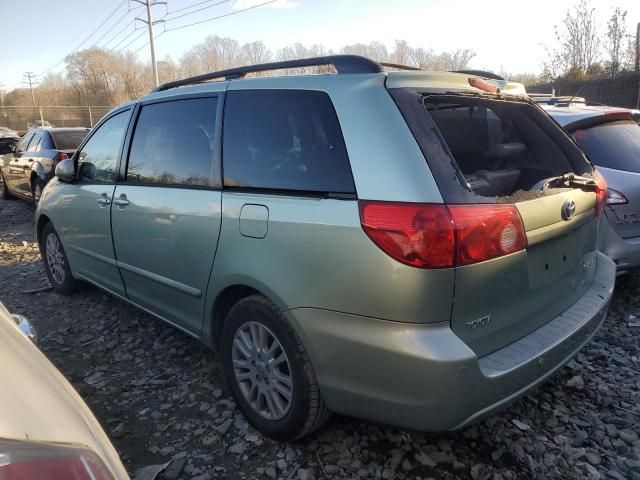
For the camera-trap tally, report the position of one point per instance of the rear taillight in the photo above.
(601, 192)
(30, 460)
(486, 231)
(440, 236)
(420, 235)
(60, 157)
(615, 197)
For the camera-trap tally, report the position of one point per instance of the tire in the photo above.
(37, 185)
(287, 419)
(55, 262)
(4, 191)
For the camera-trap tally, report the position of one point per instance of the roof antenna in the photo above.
(578, 93)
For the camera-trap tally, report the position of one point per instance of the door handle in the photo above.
(103, 200)
(121, 201)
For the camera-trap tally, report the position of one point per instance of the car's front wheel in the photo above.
(269, 371)
(37, 186)
(55, 261)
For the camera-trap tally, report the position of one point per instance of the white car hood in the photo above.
(38, 404)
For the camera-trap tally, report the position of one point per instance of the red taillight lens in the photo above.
(60, 157)
(486, 231)
(601, 192)
(29, 460)
(440, 236)
(420, 235)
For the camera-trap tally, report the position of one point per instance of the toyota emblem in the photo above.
(568, 209)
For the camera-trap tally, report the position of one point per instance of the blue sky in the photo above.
(507, 35)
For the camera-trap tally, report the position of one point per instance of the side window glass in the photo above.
(284, 140)
(173, 143)
(22, 144)
(35, 142)
(98, 158)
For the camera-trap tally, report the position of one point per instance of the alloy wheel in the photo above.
(55, 258)
(262, 370)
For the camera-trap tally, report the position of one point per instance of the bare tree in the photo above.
(256, 52)
(578, 42)
(616, 44)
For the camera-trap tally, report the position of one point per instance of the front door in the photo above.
(166, 215)
(12, 170)
(86, 228)
(23, 166)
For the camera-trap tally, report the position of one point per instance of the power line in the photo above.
(189, 6)
(104, 45)
(132, 41)
(198, 10)
(124, 39)
(86, 39)
(129, 10)
(221, 16)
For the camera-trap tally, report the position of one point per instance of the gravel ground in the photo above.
(162, 398)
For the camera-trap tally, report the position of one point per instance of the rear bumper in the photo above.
(624, 251)
(422, 376)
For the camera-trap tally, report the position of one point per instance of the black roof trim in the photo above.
(481, 73)
(342, 64)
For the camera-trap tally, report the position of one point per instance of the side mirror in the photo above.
(65, 170)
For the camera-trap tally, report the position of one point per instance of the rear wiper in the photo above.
(572, 180)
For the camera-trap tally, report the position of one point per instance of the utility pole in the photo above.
(4, 112)
(150, 23)
(30, 79)
(638, 63)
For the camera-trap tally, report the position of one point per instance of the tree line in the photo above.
(98, 76)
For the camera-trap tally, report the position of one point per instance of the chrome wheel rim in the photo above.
(37, 192)
(262, 370)
(55, 258)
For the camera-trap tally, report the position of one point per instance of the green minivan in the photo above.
(414, 248)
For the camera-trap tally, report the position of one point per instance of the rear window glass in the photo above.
(486, 149)
(612, 145)
(496, 145)
(70, 140)
(284, 140)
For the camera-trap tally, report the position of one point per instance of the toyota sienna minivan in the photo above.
(409, 247)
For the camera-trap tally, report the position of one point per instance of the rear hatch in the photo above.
(612, 142)
(489, 149)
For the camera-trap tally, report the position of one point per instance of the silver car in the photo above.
(611, 139)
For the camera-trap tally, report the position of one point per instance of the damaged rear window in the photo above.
(486, 149)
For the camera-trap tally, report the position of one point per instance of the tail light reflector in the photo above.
(486, 231)
(441, 236)
(21, 460)
(615, 197)
(60, 157)
(601, 192)
(420, 235)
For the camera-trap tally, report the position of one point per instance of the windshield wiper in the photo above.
(572, 180)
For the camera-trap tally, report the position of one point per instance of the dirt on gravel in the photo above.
(161, 397)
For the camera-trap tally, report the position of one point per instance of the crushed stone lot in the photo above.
(161, 397)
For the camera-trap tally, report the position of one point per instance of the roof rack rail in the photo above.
(481, 73)
(399, 66)
(342, 64)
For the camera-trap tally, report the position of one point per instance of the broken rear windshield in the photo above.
(497, 146)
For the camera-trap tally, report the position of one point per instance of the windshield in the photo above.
(612, 145)
(69, 140)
